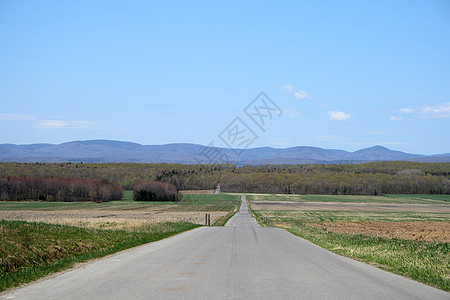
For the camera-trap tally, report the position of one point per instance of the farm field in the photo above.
(122, 214)
(389, 198)
(412, 243)
(342, 206)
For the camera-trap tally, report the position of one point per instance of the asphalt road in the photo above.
(239, 261)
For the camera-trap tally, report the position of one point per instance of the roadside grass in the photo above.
(29, 251)
(190, 202)
(388, 198)
(422, 261)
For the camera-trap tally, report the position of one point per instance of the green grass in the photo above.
(127, 195)
(29, 251)
(403, 199)
(422, 261)
(190, 202)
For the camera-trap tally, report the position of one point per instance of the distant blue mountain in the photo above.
(104, 151)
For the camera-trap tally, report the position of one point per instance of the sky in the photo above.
(334, 74)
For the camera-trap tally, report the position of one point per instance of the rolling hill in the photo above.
(103, 151)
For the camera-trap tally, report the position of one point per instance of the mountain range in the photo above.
(107, 151)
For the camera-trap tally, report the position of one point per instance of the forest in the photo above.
(375, 178)
(58, 189)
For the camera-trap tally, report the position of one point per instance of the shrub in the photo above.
(155, 191)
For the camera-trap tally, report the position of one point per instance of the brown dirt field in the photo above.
(344, 206)
(108, 219)
(420, 230)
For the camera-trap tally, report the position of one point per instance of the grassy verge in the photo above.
(29, 251)
(422, 261)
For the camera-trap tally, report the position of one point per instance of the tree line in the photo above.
(375, 178)
(58, 189)
(188, 177)
(334, 184)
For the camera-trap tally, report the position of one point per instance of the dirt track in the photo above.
(345, 206)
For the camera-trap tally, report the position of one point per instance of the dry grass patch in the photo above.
(116, 220)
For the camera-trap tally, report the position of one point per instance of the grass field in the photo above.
(400, 199)
(422, 260)
(219, 202)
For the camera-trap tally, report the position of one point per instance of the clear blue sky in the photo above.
(346, 74)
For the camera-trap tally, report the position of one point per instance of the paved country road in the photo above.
(239, 261)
